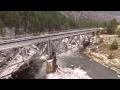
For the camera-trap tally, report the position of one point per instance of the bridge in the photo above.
(43, 44)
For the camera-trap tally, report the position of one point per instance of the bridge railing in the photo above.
(19, 36)
(27, 35)
(34, 34)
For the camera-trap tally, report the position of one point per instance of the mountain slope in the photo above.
(115, 13)
(93, 15)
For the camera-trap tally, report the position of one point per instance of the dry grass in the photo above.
(105, 48)
(106, 35)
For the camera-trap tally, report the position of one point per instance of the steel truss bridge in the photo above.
(20, 49)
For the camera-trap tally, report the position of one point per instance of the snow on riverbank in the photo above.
(16, 66)
(68, 73)
(32, 52)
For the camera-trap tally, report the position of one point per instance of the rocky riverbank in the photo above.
(95, 52)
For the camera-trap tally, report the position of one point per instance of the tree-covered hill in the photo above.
(41, 21)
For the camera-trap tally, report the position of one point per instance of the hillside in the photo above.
(24, 22)
(94, 15)
(115, 13)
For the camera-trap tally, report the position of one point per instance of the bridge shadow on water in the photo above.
(27, 73)
(32, 72)
(35, 71)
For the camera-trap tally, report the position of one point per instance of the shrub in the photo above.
(114, 45)
(111, 56)
(118, 33)
(93, 33)
(98, 33)
(101, 40)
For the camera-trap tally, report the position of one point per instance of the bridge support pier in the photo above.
(51, 65)
(96, 33)
(47, 45)
(51, 62)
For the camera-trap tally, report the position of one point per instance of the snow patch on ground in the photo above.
(69, 53)
(68, 73)
(18, 59)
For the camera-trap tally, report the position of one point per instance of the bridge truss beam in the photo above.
(41, 46)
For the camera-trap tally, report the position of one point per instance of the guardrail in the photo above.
(42, 35)
(35, 34)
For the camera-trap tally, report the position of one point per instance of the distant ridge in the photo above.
(93, 15)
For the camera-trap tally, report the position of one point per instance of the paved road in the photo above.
(93, 69)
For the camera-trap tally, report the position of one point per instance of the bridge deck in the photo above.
(24, 41)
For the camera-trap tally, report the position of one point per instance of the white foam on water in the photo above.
(68, 73)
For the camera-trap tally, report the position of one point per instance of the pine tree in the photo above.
(67, 26)
(41, 21)
(112, 25)
(17, 22)
(1, 28)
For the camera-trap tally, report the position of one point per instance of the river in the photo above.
(69, 59)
